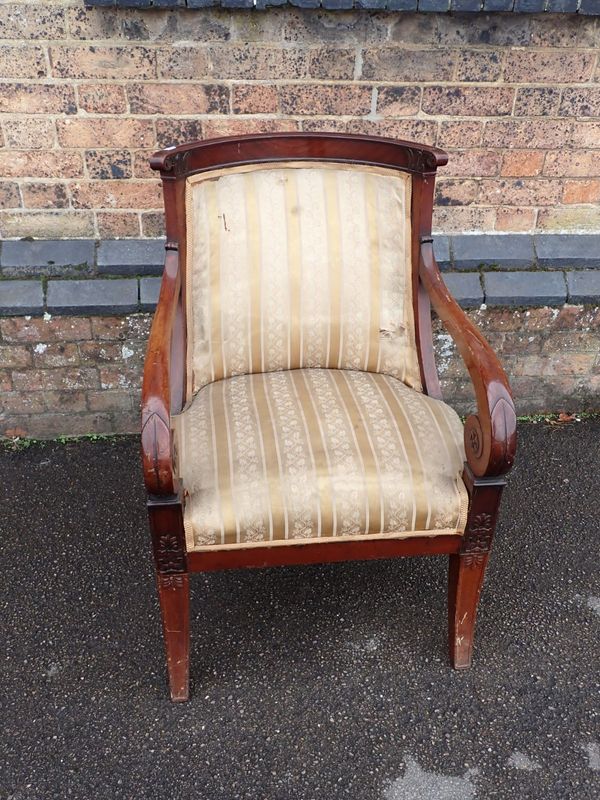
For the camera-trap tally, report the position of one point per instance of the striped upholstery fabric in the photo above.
(299, 265)
(314, 453)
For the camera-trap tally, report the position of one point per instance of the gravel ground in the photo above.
(309, 683)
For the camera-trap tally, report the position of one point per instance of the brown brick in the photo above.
(23, 403)
(50, 425)
(134, 326)
(460, 134)
(109, 401)
(571, 31)
(178, 98)
(17, 22)
(65, 224)
(116, 194)
(55, 354)
(45, 195)
(5, 381)
(234, 126)
(189, 63)
(63, 378)
(542, 66)
(9, 195)
(56, 329)
(416, 130)
(398, 64)
(580, 103)
(473, 163)
(119, 377)
(40, 164)
(175, 131)
(537, 101)
(569, 363)
(118, 224)
(108, 164)
(102, 98)
(476, 101)
(533, 133)
(521, 163)
(111, 132)
(21, 98)
(153, 224)
(29, 133)
(257, 62)
(515, 219)
(585, 134)
(22, 62)
(66, 401)
(572, 342)
(123, 63)
(493, 30)
(141, 164)
(398, 101)
(581, 192)
(248, 98)
(14, 355)
(569, 218)
(331, 63)
(314, 99)
(100, 352)
(338, 28)
(478, 65)
(327, 124)
(449, 192)
(576, 163)
(462, 219)
(520, 192)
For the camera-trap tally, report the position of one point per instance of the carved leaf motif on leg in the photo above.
(169, 554)
(478, 536)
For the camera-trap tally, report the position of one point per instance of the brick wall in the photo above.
(87, 94)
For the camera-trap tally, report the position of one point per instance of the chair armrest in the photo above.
(162, 388)
(490, 435)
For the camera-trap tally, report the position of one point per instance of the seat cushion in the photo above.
(297, 265)
(312, 454)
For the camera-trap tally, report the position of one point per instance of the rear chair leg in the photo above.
(467, 567)
(174, 595)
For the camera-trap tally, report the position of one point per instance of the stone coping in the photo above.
(587, 7)
(122, 276)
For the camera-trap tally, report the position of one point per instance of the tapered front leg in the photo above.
(168, 543)
(467, 568)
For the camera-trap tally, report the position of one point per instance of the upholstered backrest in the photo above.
(299, 264)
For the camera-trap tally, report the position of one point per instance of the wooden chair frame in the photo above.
(490, 434)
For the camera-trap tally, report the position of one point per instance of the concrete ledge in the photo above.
(47, 257)
(131, 257)
(525, 288)
(584, 286)
(93, 297)
(149, 291)
(465, 288)
(506, 252)
(21, 297)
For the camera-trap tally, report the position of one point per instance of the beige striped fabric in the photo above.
(297, 265)
(311, 454)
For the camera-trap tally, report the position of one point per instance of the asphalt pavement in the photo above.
(309, 683)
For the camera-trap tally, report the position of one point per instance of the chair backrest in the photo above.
(300, 262)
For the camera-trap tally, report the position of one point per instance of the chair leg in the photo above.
(174, 596)
(465, 579)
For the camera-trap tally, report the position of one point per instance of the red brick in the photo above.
(40, 164)
(398, 101)
(56, 329)
(119, 377)
(111, 132)
(178, 98)
(18, 22)
(131, 62)
(9, 195)
(520, 192)
(542, 66)
(585, 134)
(141, 165)
(515, 219)
(66, 401)
(21, 98)
(102, 98)
(315, 99)
(5, 381)
(576, 163)
(248, 98)
(257, 62)
(331, 63)
(14, 355)
(135, 326)
(108, 164)
(55, 354)
(416, 130)
(110, 400)
(392, 63)
(22, 62)
(473, 163)
(65, 224)
(580, 103)
(478, 65)
(116, 194)
(460, 134)
(521, 163)
(533, 133)
(23, 402)
(175, 131)
(64, 378)
(183, 63)
(234, 126)
(476, 101)
(537, 101)
(153, 224)
(461, 219)
(455, 193)
(50, 425)
(30, 133)
(581, 192)
(569, 364)
(101, 352)
(569, 218)
(118, 224)
(45, 195)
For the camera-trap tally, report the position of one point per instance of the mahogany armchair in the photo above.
(291, 409)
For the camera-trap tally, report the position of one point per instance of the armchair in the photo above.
(291, 408)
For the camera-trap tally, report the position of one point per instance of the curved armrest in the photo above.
(162, 388)
(490, 435)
